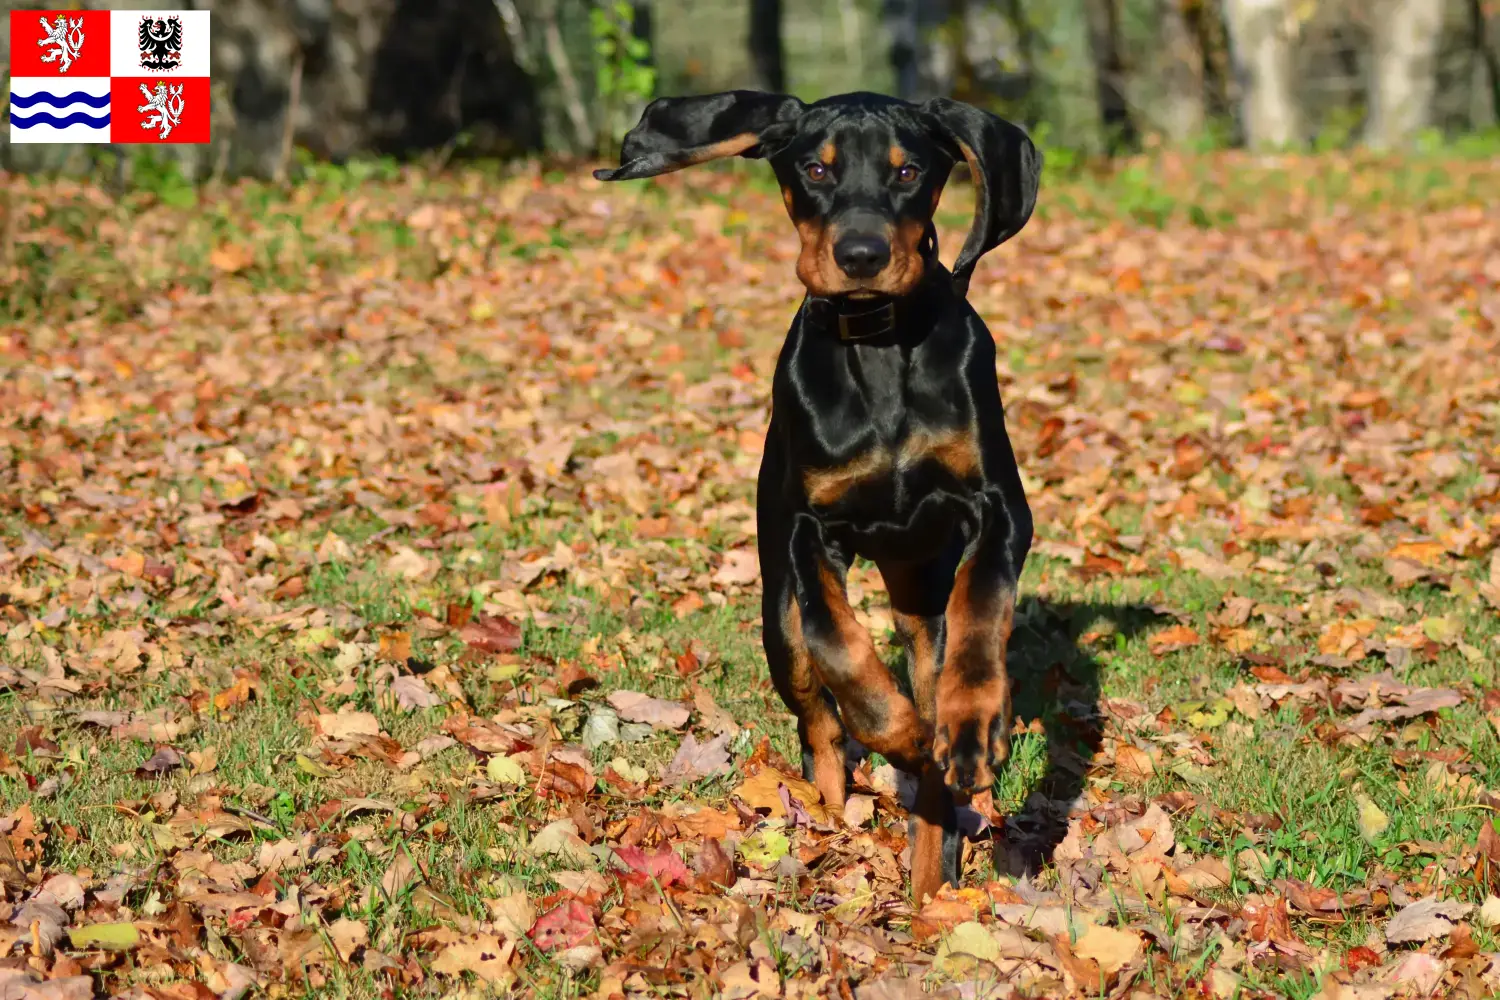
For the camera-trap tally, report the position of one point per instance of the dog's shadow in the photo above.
(1054, 663)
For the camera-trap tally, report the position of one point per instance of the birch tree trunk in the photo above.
(1184, 96)
(1261, 47)
(1403, 70)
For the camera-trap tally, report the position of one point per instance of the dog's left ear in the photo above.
(1007, 168)
(677, 132)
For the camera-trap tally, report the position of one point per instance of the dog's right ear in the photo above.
(677, 132)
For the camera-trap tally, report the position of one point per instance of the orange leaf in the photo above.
(1172, 639)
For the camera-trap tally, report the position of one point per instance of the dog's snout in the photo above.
(862, 256)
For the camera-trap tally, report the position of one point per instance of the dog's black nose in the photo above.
(862, 256)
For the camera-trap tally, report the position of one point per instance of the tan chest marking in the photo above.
(955, 450)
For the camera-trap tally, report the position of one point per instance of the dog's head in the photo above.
(861, 175)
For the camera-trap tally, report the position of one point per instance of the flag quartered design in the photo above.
(120, 76)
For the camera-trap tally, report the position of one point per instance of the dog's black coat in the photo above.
(887, 437)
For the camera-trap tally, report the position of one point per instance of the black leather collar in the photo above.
(855, 320)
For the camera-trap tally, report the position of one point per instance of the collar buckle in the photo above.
(867, 325)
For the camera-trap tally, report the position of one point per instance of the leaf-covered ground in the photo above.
(380, 608)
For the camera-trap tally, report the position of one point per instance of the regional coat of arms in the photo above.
(65, 37)
(167, 103)
(160, 41)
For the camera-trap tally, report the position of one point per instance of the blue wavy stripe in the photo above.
(77, 97)
(45, 118)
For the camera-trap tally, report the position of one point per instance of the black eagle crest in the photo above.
(161, 42)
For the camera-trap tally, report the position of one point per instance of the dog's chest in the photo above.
(894, 432)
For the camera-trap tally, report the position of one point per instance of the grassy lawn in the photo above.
(380, 614)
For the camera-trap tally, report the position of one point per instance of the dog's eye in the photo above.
(907, 174)
(817, 171)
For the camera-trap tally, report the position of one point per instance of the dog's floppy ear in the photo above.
(1007, 168)
(677, 132)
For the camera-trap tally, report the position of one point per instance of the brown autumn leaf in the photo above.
(633, 706)
(1111, 949)
(1429, 554)
(484, 955)
(1266, 919)
(1170, 640)
(348, 936)
(401, 874)
(740, 568)
(713, 718)
(164, 761)
(1425, 919)
(714, 863)
(395, 646)
(762, 790)
(695, 761)
(1133, 763)
(413, 693)
(346, 724)
(492, 634)
(1487, 856)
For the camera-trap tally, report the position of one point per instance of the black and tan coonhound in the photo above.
(887, 437)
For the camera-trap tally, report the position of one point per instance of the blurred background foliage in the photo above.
(302, 82)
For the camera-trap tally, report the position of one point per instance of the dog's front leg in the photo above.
(874, 708)
(972, 736)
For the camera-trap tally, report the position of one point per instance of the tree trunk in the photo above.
(1262, 53)
(1183, 98)
(1109, 72)
(767, 56)
(1403, 69)
(1488, 65)
(900, 18)
(1205, 18)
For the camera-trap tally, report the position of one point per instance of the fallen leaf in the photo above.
(1425, 919)
(505, 770)
(762, 790)
(492, 634)
(401, 874)
(413, 693)
(663, 867)
(714, 863)
(1133, 763)
(858, 810)
(485, 955)
(560, 839)
(164, 761)
(111, 937)
(1172, 639)
(633, 706)
(740, 568)
(395, 646)
(764, 847)
(1372, 821)
(1489, 913)
(566, 926)
(348, 724)
(695, 761)
(348, 936)
(963, 946)
(713, 718)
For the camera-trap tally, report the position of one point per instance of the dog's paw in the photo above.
(972, 744)
(895, 732)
